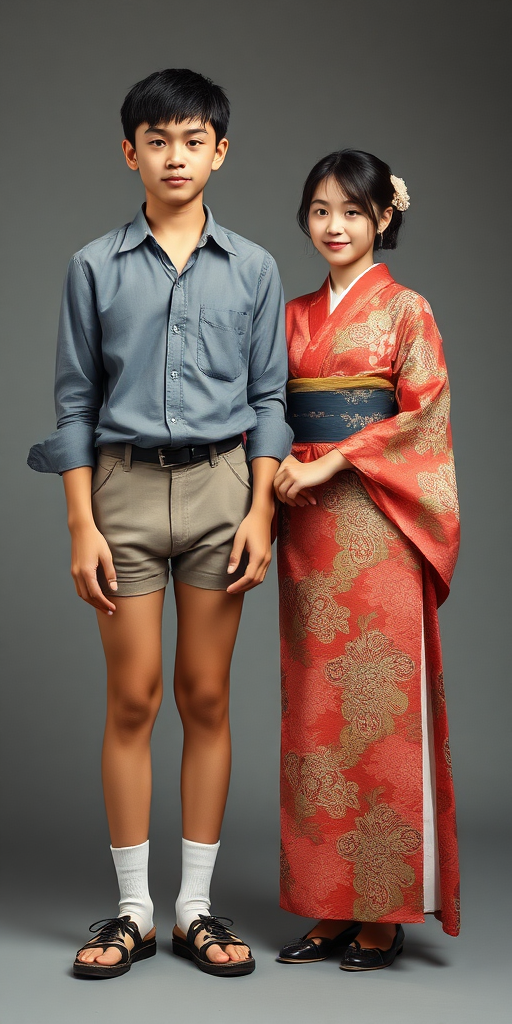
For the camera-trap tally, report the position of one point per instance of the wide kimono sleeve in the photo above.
(406, 462)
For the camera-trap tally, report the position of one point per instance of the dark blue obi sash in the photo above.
(335, 414)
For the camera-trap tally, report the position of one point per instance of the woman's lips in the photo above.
(336, 245)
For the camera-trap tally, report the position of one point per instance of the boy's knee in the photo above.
(205, 704)
(132, 712)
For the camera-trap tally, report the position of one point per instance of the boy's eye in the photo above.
(157, 142)
(195, 143)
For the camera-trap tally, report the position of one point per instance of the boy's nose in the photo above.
(175, 159)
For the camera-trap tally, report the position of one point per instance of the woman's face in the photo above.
(339, 228)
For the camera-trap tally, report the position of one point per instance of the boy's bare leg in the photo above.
(207, 626)
(132, 644)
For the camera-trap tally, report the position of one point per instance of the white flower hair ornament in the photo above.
(400, 198)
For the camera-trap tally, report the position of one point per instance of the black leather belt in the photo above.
(168, 456)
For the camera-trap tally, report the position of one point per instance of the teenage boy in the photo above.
(171, 348)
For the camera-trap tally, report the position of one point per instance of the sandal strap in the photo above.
(217, 934)
(107, 934)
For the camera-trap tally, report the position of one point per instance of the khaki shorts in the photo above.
(188, 514)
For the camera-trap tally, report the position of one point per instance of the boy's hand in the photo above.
(253, 536)
(294, 479)
(89, 549)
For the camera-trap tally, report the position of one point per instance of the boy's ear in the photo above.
(220, 154)
(130, 155)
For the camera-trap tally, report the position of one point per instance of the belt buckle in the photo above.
(163, 455)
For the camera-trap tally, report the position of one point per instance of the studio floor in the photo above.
(439, 980)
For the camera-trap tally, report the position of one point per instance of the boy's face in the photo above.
(175, 160)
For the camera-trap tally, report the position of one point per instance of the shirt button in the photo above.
(174, 375)
(173, 419)
(175, 329)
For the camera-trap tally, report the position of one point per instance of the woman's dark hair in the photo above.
(363, 179)
(176, 94)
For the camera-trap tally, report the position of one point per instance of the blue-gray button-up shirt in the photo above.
(152, 357)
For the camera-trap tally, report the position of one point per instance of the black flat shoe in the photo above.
(111, 932)
(216, 935)
(357, 958)
(311, 951)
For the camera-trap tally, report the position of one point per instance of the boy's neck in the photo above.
(177, 229)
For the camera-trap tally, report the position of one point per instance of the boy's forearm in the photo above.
(263, 472)
(77, 486)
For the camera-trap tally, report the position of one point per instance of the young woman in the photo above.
(368, 540)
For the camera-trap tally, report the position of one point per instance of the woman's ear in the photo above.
(385, 219)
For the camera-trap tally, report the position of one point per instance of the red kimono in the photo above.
(361, 576)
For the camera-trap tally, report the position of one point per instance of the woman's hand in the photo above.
(89, 549)
(294, 479)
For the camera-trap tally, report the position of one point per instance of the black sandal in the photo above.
(216, 935)
(111, 932)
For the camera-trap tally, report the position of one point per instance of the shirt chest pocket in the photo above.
(221, 342)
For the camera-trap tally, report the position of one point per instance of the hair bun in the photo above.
(401, 196)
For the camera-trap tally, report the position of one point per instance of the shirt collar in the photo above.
(136, 232)
(139, 230)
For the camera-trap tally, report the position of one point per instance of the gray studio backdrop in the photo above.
(422, 85)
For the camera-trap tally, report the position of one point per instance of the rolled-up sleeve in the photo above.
(78, 379)
(268, 370)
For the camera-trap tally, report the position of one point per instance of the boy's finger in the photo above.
(96, 597)
(109, 570)
(236, 553)
(251, 577)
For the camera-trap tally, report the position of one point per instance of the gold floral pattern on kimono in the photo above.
(318, 781)
(362, 532)
(428, 434)
(420, 365)
(368, 673)
(315, 607)
(377, 332)
(440, 490)
(377, 848)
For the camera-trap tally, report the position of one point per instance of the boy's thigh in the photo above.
(208, 503)
(131, 510)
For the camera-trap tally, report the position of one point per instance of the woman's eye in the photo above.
(322, 213)
(352, 213)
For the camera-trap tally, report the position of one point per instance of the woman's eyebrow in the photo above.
(324, 202)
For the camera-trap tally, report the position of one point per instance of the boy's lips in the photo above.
(174, 181)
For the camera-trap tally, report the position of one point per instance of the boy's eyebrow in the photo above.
(163, 131)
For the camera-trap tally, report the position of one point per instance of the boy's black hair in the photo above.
(176, 94)
(363, 179)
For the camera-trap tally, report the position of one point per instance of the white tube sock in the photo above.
(131, 864)
(197, 864)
